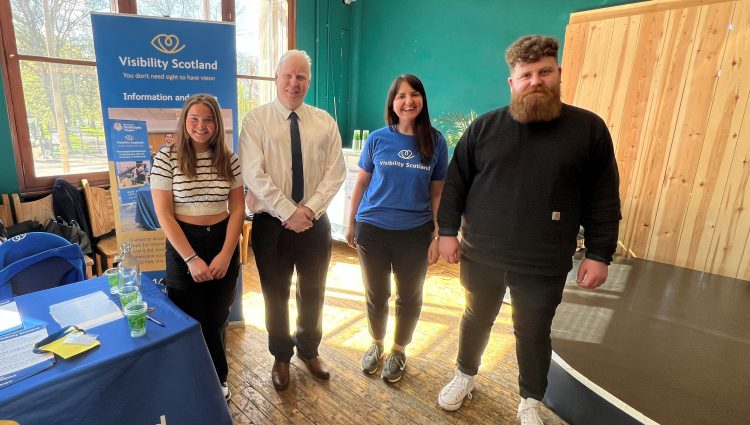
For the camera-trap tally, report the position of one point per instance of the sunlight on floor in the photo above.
(345, 319)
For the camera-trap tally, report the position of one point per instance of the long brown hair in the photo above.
(426, 135)
(220, 154)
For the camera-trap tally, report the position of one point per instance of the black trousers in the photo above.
(535, 299)
(209, 303)
(404, 252)
(278, 252)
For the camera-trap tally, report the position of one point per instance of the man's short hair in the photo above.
(291, 53)
(529, 49)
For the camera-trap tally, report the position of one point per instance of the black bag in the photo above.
(23, 227)
(70, 231)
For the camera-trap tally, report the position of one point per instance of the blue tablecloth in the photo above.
(145, 214)
(165, 376)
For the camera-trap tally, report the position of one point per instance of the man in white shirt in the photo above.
(293, 166)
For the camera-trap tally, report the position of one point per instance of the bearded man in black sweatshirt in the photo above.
(522, 180)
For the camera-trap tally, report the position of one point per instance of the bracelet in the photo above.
(190, 258)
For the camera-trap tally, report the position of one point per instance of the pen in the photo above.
(156, 321)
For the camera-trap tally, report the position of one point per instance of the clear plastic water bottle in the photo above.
(129, 269)
(365, 135)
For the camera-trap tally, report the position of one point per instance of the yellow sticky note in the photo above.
(66, 350)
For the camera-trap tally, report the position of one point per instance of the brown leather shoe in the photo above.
(280, 375)
(316, 366)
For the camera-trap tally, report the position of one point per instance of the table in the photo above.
(164, 377)
(145, 214)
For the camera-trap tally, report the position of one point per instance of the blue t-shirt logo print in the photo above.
(406, 154)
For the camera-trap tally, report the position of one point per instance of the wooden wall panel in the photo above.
(689, 135)
(572, 61)
(661, 117)
(614, 82)
(722, 133)
(729, 254)
(630, 139)
(589, 86)
(681, 127)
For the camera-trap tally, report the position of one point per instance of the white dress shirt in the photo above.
(266, 159)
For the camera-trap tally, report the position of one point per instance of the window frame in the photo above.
(28, 182)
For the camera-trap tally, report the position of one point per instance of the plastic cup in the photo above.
(113, 277)
(135, 312)
(129, 294)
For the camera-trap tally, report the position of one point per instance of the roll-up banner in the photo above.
(147, 68)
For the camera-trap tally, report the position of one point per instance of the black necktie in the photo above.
(298, 181)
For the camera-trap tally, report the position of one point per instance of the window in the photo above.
(52, 89)
(262, 31)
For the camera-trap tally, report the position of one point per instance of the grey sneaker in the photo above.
(394, 367)
(371, 359)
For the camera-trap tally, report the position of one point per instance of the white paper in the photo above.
(16, 350)
(86, 311)
(10, 319)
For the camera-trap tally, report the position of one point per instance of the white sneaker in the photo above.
(452, 395)
(226, 391)
(528, 412)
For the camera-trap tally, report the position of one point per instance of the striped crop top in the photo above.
(207, 194)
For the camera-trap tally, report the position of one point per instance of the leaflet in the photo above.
(86, 311)
(17, 358)
(10, 319)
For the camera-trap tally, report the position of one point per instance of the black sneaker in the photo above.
(371, 359)
(226, 391)
(394, 367)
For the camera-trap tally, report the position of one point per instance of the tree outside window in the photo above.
(54, 93)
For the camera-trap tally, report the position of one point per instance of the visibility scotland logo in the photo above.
(167, 43)
(405, 154)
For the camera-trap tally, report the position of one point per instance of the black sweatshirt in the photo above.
(524, 189)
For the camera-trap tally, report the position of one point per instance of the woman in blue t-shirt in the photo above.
(392, 219)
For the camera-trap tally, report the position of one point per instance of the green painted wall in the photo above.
(326, 32)
(8, 177)
(456, 48)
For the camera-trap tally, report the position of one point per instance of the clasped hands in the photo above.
(202, 272)
(300, 220)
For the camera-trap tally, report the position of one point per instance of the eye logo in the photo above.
(167, 43)
(406, 154)
(129, 137)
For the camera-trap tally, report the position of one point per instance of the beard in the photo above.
(540, 105)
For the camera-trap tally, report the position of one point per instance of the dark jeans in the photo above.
(405, 253)
(209, 302)
(278, 252)
(209, 305)
(535, 299)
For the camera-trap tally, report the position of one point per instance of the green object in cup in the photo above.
(113, 278)
(128, 294)
(135, 312)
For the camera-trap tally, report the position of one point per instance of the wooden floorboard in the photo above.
(351, 397)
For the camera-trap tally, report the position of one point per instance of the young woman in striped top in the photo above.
(197, 190)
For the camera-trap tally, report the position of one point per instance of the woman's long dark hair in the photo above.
(426, 135)
(220, 153)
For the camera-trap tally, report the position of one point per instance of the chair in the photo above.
(41, 210)
(102, 220)
(6, 213)
(245, 241)
(35, 261)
